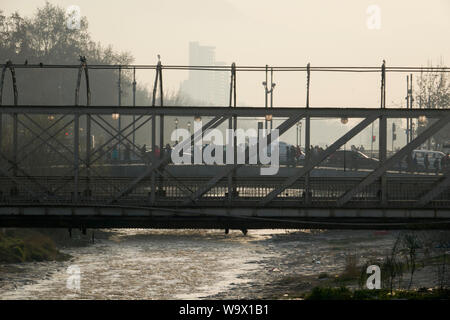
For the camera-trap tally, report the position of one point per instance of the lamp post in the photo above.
(189, 127)
(299, 133)
(176, 123)
(266, 94)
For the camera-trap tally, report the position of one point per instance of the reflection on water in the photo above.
(148, 264)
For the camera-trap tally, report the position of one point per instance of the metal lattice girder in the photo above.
(228, 112)
(210, 125)
(282, 128)
(181, 186)
(430, 131)
(119, 133)
(9, 66)
(71, 170)
(50, 136)
(322, 156)
(437, 189)
(117, 137)
(31, 192)
(31, 178)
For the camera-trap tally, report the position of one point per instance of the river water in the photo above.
(145, 264)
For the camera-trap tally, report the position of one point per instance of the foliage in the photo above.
(434, 93)
(342, 293)
(31, 246)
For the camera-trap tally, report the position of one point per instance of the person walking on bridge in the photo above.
(426, 162)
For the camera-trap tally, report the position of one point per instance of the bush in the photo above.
(23, 246)
(319, 293)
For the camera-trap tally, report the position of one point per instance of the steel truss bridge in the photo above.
(80, 190)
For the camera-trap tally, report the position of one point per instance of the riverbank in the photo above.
(28, 245)
(331, 259)
(208, 264)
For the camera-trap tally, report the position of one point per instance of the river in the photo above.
(144, 264)
(196, 264)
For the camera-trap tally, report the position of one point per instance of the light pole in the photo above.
(266, 94)
(189, 127)
(299, 133)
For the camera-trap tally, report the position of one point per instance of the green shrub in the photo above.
(319, 293)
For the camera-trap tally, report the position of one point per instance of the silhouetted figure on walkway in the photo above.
(426, 162)
(127, 152)
(436, 165)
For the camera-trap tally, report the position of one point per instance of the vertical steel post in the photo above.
(153, 177)
(88, 132)
(266, 95)
(408, 128)
(76, 148)
(307, 136)
(232, 122)
(161, 102)
(383, 135)
(120, 104)
(271, 96)
(15, 142)
(161, 121)
(134, 105)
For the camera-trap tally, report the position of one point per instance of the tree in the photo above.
(434, 93)
(45, 38)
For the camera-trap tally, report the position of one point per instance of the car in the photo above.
(352, 160)
(419, 155)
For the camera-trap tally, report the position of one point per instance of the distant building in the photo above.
(206, 87)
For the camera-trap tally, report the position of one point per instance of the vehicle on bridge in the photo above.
(351, 159)
(419, 164)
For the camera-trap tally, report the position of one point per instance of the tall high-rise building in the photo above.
(205, 87)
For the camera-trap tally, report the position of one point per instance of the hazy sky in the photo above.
(281, 33)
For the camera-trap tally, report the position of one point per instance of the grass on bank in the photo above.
(28, 245)
(343, 293)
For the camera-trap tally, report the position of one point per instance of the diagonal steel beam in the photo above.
(71, 170)
(437, 189)
(180, 185)
(119, 133)
(282, 128)
(13, 179)
(31, 178)
(394, 159)
(211, 183)
(116, 137)
(210, 125)
(309, 166)
(37, 137)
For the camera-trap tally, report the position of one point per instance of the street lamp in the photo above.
(422, 120)
(266, 94)
(299, 133)
(115, 116)
(344, 120)
(189, 126)
(51, 117)
(197, 118)
(176, 123)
